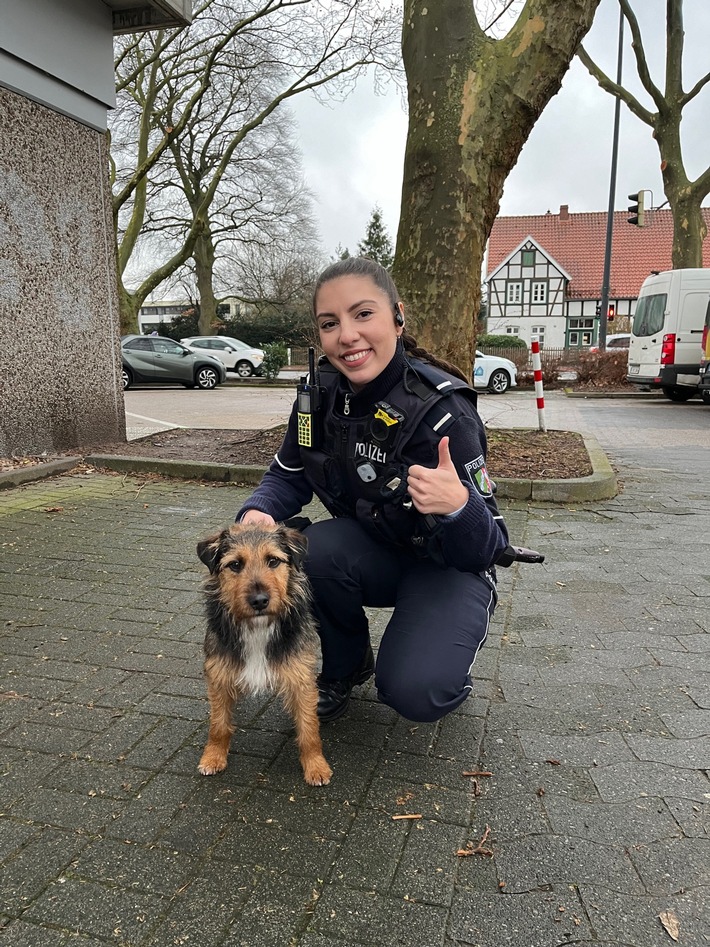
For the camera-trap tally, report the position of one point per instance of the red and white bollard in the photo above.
(537, 374)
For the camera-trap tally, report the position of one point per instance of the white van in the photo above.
(667, 330)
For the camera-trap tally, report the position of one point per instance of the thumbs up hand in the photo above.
(437, 490)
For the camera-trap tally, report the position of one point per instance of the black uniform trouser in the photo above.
(440, 619)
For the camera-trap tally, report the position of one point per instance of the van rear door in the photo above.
(647, 335)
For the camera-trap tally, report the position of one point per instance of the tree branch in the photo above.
(674, 50)
(698, 87)
(640, 54)
(617, 90)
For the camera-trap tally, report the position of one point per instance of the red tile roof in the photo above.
(577, 241)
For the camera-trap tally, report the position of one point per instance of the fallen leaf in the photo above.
(553, 762)
(671, 923)
(54, 509)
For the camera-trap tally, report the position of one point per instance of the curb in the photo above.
(182, 469)
(640, 395)
(601, 484)
(14, 478)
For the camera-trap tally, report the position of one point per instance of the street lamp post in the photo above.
(604, 302)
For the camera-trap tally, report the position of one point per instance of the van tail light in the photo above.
(705, 339)
(668, 350)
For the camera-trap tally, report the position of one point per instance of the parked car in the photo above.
(619, 340)
(494, 373)
(235, 355)
(155, 359)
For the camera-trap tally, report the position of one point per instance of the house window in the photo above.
(514, 293)
(539, 331)
(538, 292)
(512, 330)
(580, 332)
(528, 258)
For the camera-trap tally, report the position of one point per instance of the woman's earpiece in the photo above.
(398, 317)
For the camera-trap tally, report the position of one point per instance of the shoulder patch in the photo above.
(478, 475)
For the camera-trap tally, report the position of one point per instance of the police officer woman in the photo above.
(388, 437)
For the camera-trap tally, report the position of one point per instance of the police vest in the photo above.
(361, 470)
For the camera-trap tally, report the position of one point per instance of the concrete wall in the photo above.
(59, 334)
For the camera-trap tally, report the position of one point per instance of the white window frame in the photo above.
(514, 293)
(538, 291)
(512, 330)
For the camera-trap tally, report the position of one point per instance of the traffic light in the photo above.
(611, 312)
(636, 209)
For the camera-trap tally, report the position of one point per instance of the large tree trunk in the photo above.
(473, 102)
(203, 257)
(684, 197)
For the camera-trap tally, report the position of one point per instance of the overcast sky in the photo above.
(353, 152)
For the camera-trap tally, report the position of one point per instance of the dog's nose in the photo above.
(259, 601)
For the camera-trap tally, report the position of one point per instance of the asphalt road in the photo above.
(646, 430)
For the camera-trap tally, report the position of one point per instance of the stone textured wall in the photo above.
(59, 332)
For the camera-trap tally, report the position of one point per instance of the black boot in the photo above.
(334, 695)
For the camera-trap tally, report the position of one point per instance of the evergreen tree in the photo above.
(377, 244)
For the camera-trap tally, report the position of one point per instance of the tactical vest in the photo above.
(361, 471)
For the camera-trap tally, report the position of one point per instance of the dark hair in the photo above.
(363, 266)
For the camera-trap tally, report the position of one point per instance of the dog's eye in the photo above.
(236, 566)
(273, 562)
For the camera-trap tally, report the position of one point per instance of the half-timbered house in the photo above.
(544, 273)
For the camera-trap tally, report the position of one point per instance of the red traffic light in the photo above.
(611, 312)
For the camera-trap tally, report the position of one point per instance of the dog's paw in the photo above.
(317, 772)
(211, 763)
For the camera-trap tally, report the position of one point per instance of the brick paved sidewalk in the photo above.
(592, 712)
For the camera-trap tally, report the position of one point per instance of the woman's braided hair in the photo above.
(363, 266)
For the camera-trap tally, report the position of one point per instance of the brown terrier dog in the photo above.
(260, 636)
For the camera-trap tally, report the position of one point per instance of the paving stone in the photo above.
(530, 919)
(691, 753)
(27, 873)
(395, 796)
(279, 906)
(584, 750)
(622, 919)
(111, 913)
(69, 810)
(270, 848)
(692, 817)
(562, 860)
(371, 917)
(674, 866)
(427, 867)
(21, 934)
(622, 782)
(625, 823)
(370, 852)
(511, 816)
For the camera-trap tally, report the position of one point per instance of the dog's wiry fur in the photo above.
(260, 636)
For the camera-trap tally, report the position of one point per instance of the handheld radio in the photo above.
(309, 405)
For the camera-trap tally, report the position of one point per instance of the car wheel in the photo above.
(126, 378)
(244, 369)
(705, 395)
(206, 378)
(499, 382)
(678, 392)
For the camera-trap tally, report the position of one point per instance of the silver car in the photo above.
(157, 360)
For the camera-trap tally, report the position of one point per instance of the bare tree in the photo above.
(198, 95)
(685, 197)
(473, 101)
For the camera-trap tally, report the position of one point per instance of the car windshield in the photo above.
(648, 318)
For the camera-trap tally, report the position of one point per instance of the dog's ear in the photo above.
(295, 545)
(211, 550)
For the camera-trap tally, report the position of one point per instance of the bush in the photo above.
(182, 327)
(501, 342)
(260, 330)
(602, 369)
(550, 367)
(275, 357)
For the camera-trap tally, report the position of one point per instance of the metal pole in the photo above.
(604, 304)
